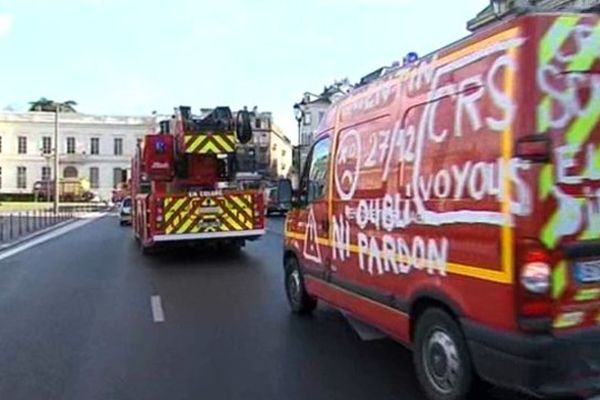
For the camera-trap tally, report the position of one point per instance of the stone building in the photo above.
(97, 148)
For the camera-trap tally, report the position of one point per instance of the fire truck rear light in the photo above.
(535, 277)
(159, 218)
(536, 309)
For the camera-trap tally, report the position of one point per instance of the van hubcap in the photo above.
(294, 286)
(440, 358)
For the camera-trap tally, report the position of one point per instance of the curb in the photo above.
(33, 235)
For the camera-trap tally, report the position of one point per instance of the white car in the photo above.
(125, 211)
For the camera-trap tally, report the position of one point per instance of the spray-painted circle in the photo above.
(347, 165)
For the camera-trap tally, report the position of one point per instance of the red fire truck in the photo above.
(184, 185)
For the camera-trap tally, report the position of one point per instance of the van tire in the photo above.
(438, 340)
(299, 300)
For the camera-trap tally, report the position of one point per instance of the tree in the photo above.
(46, 105)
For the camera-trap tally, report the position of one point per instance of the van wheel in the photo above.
(300, 301)
(441, 357)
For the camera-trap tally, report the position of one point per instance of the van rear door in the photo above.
(567, 109)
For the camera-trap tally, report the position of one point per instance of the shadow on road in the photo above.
(169, 256)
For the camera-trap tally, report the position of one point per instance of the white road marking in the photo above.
(86, 219)
(158, 314)
(364, 331)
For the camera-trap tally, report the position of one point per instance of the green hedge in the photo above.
(16, 197)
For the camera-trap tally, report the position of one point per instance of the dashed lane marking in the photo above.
(158, 314)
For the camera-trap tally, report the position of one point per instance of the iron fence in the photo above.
(17, 224)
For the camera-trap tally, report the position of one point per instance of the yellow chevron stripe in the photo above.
(194, 145)
(223, 143)
(177, 205)
(186, 225)
(243, 205)
(209, 147)
(235, 224)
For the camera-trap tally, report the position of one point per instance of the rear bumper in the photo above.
(277, 208)
(250, 235)
(543, 365)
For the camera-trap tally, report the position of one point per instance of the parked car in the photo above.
(125, 211)
(451, 205)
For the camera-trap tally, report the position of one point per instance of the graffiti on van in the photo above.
(569, 109)
(403, 144)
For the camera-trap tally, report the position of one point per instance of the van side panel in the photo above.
(425, 186)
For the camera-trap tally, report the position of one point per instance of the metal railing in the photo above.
(18, 224)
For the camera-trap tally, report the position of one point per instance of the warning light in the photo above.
(160, 146)
(410, 58)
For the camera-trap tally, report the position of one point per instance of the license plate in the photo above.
(587, 271)
(209, 210)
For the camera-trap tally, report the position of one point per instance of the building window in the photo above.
(71, 145)
(321, 116)
(117, 177)
(46, 173)
(94, 177)
(274, 146)
(0, 144)
(0, 177)
(21, 178)
(118, 148)
(257, 123)
(22, 145)
(283, 153)
(46, 145)
(95, 146)
(138, 142)
(70, 172)
(307, 118)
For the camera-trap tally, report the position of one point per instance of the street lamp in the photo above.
(46, 179)
(56, 160)
(299, 115)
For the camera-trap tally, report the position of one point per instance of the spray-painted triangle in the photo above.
(311, 245)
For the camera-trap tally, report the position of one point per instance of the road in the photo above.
(78, 323)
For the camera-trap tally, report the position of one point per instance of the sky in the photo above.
(137, 56)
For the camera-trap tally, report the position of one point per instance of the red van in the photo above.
(455, 204)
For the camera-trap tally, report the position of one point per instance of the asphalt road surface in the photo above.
(86, 316)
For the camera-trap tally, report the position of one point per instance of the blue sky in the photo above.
(136, 56)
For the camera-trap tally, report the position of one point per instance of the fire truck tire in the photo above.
(300, 301)
(441, 357)
(146, 249)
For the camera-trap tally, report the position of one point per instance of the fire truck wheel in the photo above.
(300, 301)
(441, 357)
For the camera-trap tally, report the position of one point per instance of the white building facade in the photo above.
(91, 147)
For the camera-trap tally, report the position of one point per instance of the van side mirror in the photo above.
(243, 128)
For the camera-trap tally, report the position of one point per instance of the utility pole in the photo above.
(56, 160)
